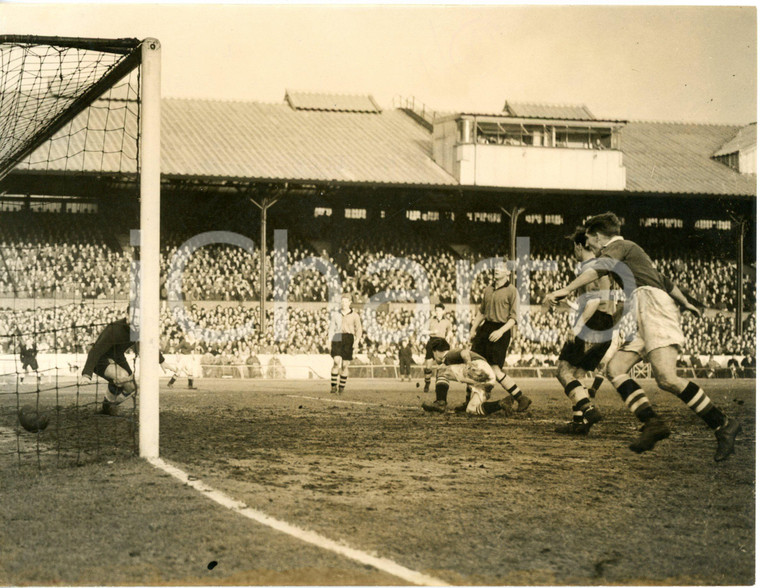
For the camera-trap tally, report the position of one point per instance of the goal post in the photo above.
(150, 230)
(82, 116)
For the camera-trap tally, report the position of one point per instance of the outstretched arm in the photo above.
(586, 277)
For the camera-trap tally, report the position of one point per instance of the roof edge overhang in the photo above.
(453, 187)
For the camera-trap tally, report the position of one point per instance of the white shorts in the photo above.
(480, 391)
(658, 322)
(457, 372)
(185, 365)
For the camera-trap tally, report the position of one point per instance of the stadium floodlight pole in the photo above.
(513, 215)
(264, 205)
(741, 224)
(150, 216)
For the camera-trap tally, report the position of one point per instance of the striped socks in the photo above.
(696, 399)
(634, 397)
(513, 390)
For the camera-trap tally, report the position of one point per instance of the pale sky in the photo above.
(666, 63)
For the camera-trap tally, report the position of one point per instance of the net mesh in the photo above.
(69, 145)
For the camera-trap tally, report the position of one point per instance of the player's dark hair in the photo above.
(440, 345)
(579, 237)
(440, 305)
(608, 224)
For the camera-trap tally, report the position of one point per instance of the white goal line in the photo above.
(384, 565)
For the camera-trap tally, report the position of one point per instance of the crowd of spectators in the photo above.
(48, 258)
(43, 257)
(53, 259)
(233, 331)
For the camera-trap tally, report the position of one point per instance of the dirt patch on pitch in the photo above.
(468, 500)
(489, 501)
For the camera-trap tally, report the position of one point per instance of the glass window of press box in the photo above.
(570, 136)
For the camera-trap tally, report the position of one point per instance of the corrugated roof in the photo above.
(102, 138)
(273, 141)
(676, 158)
(331, 102)
(555, 111)
(745, 139)
(249, 140)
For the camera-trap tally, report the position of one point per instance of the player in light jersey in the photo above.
(185, 363)
(345, 331)
(658, 338)
(469, 368)
(438, 328)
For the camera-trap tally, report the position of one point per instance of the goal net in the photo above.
(79, 171)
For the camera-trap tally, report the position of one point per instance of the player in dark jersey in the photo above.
(491, 331)
(438, 328)
(592, 339)
(469, 368)
(107, 359)
(344, 333)
(658, 338)
(28, 356)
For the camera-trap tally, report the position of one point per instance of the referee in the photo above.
(492, 331)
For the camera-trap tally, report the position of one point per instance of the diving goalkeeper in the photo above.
(106, 358)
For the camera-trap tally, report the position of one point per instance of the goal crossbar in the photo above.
(130, 48)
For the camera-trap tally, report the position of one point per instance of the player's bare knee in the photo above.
(564, 373)
(611, 372)
(669, 381)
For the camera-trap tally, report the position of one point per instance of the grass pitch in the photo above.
(469, 500)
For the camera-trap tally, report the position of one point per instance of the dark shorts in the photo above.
(104, 362)
(429, 346)
(586, 355)
(29, 362)
(494, 352)
(342, 346)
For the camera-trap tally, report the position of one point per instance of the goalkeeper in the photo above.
(469, 368)
(106, 358)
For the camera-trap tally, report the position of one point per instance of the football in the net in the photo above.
(33, 419)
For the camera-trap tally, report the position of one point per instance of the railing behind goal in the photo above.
(79, 169)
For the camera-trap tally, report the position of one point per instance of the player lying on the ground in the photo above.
(658, 337)
(107, 359)
(468, 367)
